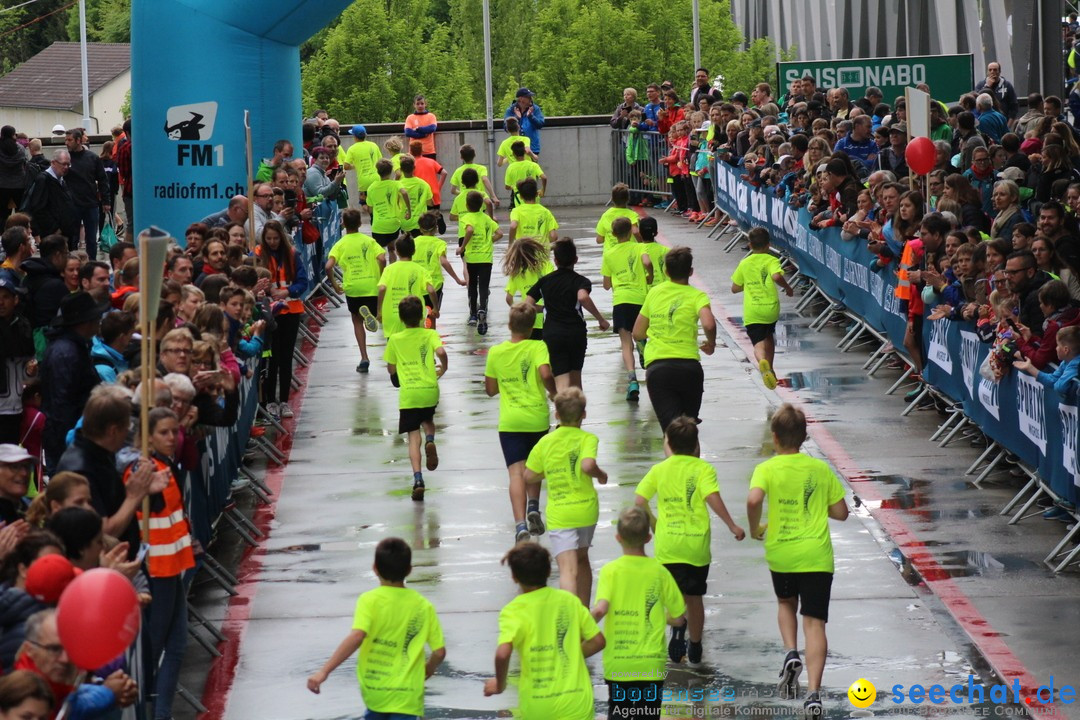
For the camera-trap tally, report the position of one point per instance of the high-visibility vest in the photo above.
(903, 283)
(279, 279)
(170, 536)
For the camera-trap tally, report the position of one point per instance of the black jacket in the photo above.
(87, 181)
(51, 207)
(45, 290)
(107, 491)
(15, 607)
(1030, 312)
(16, 338)
(67, 377)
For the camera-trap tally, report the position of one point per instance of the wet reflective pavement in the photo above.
(347, 486)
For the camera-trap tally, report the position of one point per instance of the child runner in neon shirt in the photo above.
(391, 626)
(410, 360)
(566, 458)
(804, 494)
(628, 272)
(757, 275)
(478, 251)
(553, 633)
(519, 372)
(634, 661)
(431, 255)
(384, 199)
(525, 262)
(686, 489)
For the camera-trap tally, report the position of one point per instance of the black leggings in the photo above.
(675, 388)
(279, 369)
(479, 280)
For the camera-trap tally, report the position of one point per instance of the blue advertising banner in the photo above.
(1031, 420)
(840, 268)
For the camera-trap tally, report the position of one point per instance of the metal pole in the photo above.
(697, 34)
(488, 94)
(85, 66)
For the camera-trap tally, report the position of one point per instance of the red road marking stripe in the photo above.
(219, 680)
(959, 605)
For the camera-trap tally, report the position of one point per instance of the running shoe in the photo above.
(272, 408)
(788, 686)
(812, 707)
(522, 533)
(370, 323)
(676, 647)
(472, 321)
(1057, 513)
(418, 490)
(711, 222)
(633, 390)
(363, 366)
(693, 654)
(481, 322)
(662, 205)
(284, 410)
(536, 522)
(767, 374)
(432, 454)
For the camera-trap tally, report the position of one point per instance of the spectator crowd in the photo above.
(990, 235)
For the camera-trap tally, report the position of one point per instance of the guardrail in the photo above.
(1018, 414)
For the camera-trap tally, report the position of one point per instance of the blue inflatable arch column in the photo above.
(197, 65)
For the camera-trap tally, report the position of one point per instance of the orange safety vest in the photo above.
(170, 537)
(903, 283)
(280, 280)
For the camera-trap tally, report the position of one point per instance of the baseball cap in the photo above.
(524, 92)
(48, 577)
(9, 284)
(58, 129)
(1013, 173)
(13, 454)
(358, 131)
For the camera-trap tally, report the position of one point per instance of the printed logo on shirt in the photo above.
(525, 367)
(562, 627)
(416, 622)
(672, 309)
(652, 596)
(809, 486)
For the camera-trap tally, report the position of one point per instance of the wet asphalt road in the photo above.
(347, 486)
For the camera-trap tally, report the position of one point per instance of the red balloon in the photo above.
(97, 617)
(921, 155)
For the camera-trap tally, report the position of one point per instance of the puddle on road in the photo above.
(824, 383)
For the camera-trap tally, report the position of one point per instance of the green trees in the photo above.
(576, 55)
(21, 37)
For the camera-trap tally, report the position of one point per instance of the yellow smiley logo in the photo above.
(862, 693)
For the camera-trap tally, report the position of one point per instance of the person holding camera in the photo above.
(319, 180)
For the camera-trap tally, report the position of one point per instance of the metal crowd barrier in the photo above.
(646, 177)
(1024, 423)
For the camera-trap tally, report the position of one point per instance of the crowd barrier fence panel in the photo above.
(1030, 420)
(647, 176)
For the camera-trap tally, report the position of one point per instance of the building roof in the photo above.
(53, 78)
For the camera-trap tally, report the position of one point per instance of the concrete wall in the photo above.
(38, 122)
(105, 104)
(576, 160)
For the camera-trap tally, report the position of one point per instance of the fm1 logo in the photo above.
(200, 155)
(190, 126)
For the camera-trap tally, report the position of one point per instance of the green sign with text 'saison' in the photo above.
(949, 76)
